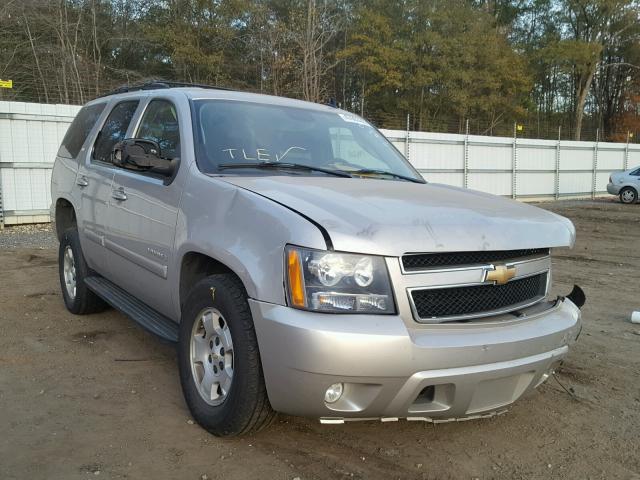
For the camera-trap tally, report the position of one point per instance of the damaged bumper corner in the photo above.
(577, 296)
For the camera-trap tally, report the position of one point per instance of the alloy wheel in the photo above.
(628, 196)
(69, 271)
(211, 356)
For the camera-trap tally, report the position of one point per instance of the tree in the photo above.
(592, 27)
(574, 63)
(375, 52)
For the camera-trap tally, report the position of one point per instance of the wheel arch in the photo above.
(629, 187)
(64, 216)
(196, 265)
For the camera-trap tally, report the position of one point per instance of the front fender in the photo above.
(244, 231)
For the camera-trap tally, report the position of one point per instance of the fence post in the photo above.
(407, 144)
(595, 165)
(465, 181)
(557, 184)
(626, 154)
(514, 160)
(1, 209)
(1, 205)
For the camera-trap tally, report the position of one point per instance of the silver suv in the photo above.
(301, 264)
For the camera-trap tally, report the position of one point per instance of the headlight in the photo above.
(337, 282)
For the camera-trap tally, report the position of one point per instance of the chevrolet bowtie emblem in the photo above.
(500, 274)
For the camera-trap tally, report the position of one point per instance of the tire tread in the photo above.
(245, 418)
(86, 301)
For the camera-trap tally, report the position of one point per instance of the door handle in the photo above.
(119, 194)
(82, 181)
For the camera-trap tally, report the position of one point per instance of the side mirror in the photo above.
(143, 155)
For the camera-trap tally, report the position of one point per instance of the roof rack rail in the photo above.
(158, 84)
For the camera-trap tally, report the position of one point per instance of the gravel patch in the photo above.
(28, 236)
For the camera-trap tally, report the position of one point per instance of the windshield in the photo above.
(231, 132)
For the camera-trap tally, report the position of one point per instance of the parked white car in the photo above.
(625, 184)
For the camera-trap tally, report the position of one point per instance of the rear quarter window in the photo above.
(79, 130)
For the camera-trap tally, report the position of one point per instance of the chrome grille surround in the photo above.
(470, 276)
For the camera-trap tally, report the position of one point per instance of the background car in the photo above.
(625, 184)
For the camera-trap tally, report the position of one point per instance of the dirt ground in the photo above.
(96, 396)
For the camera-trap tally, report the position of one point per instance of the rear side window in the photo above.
(114, 130)
(79, 130)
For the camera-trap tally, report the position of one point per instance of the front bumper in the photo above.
(397, 369)
(613, 189)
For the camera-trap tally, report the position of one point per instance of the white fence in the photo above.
(515, 167)
(30, 134)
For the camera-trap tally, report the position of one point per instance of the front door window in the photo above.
(114, 130)
(160, 124)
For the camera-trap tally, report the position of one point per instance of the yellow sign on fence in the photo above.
(6, 83)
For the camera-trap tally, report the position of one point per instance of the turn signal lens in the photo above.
(296, 281)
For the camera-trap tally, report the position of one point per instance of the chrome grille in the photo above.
(478, 300)
(423, 261)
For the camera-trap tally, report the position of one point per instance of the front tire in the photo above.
(219, 361)
(628, 195)
(73, 269)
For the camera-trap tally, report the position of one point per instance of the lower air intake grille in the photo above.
(478, 300)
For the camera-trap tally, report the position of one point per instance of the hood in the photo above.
(394, 217)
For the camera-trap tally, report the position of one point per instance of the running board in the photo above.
(133, 308)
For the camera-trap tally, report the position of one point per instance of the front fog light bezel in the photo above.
(306, 270)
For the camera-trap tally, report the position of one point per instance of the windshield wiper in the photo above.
(371, 171)
(284, 165)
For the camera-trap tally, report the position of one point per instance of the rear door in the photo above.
(94, 179)
(143, 211)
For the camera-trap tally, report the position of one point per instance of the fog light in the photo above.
(333, 393)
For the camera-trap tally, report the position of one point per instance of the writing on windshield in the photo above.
(261, 154)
